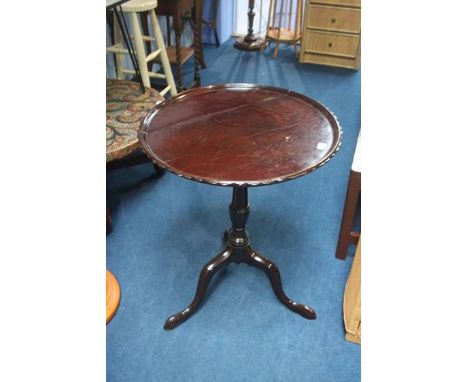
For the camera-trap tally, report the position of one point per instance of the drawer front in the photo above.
(342, 62)
(349, 3)
(334, 18)
(331, 43)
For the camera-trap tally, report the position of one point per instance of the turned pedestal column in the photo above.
(249, 41)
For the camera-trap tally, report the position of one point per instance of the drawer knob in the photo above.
(333, 20)
(330, 44)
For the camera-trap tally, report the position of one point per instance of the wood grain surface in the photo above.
(240, 135)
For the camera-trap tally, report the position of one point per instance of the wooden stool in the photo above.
(134, 7)
(280, 28)
(347, 236)
(112, 296)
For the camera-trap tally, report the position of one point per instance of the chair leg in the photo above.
(164, 58)
(119, 57)
(352, 197)
(197, 31)
(145, 31)
(140, 51)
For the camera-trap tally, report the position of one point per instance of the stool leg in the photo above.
(119, 57)
(140, 51)
(145, 31)
(349, 211)
(177, 29)
(164, 58)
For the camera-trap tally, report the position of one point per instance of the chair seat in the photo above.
(125, 108)
(139, 5)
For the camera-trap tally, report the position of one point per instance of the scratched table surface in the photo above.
(240, 135)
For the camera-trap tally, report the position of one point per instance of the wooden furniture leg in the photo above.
(197, 49)
(178, 34)
(119, 57)
(182, 11)
(145, 29)
(238, 250)
(110, 22)
(249, 41)
(197, 33)
(347, 236)
(163, 53)
(140, 50)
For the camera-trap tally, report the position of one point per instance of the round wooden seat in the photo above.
(125, 108)
(139, 5)
(112, 296)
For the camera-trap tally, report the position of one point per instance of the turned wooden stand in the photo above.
(240, 136)
(249, 41)
(238, 250)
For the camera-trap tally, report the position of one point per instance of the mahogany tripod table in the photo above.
(239, 136)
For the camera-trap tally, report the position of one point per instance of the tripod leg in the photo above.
(273, 274)
(207, 273)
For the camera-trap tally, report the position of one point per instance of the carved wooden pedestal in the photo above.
(238, 250)
(249, 41)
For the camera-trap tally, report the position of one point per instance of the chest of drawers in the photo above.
(332, 33)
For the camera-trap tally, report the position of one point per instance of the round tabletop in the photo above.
(240, 135)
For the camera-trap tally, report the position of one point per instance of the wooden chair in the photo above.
(347, 236)
(134, 8)
(282, 28)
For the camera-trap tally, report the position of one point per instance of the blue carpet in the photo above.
(166, 229)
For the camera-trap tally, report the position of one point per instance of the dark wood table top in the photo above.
(240, 135)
